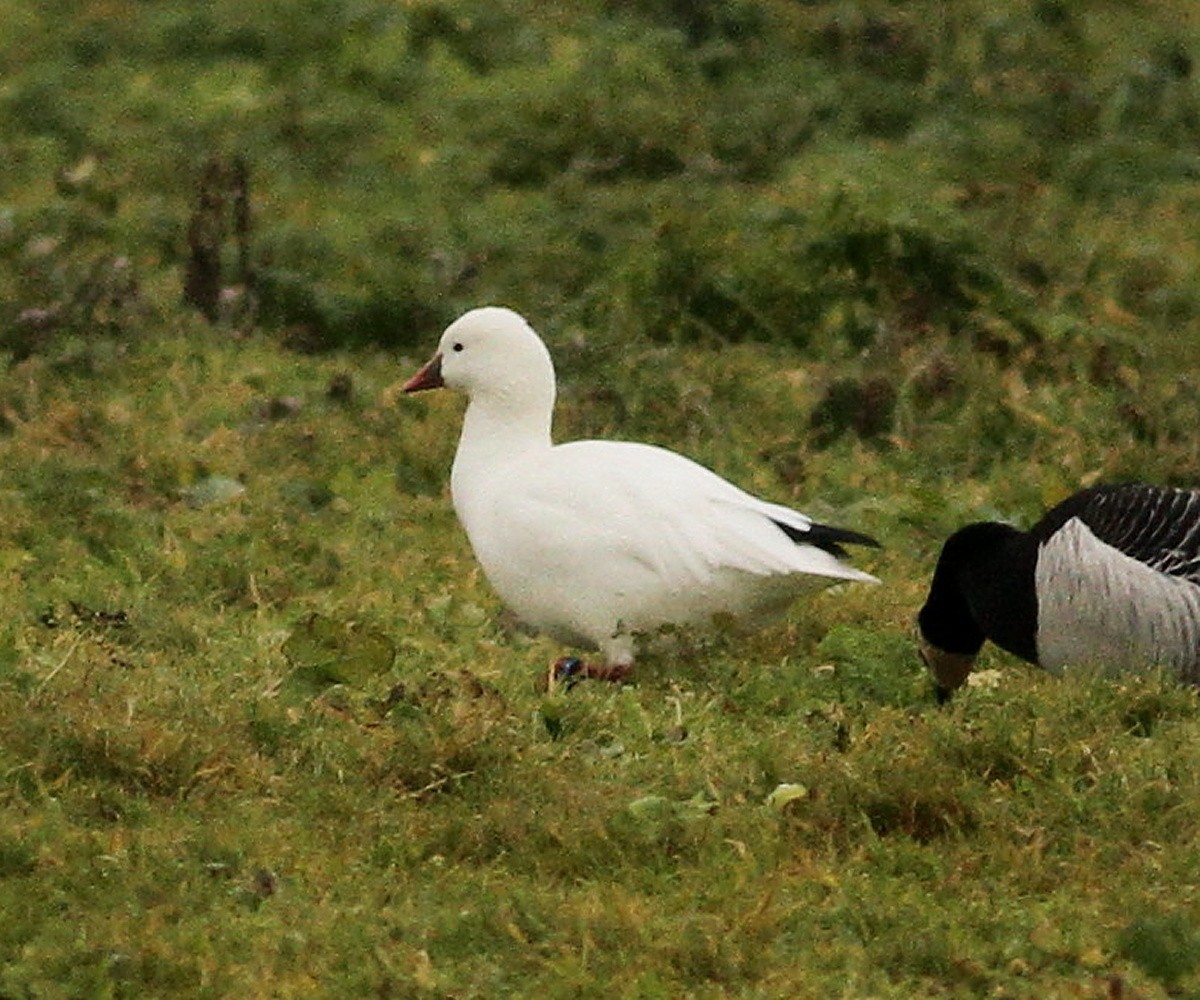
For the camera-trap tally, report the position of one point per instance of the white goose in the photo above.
(594, 542)
(1110, 578)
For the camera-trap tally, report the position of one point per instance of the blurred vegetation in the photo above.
(267, 731)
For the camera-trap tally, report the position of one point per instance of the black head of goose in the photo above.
(1109, 578)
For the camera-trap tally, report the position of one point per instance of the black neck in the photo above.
(984, 587)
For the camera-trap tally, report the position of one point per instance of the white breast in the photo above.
(1099, 607)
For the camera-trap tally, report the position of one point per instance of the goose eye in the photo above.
(457, 347)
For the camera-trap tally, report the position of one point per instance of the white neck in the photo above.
(499, 428)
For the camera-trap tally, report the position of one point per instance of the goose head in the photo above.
(493, 356)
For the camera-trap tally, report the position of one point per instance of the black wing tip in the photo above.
(827, 537)
(858, 538)
(820, 534)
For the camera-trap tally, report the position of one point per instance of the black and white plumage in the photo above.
(1110, 578)
(597, 541)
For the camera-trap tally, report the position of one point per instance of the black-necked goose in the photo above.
(596, 541)
(1109, 578)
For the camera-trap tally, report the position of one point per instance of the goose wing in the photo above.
(1158, 526)
(627, 503)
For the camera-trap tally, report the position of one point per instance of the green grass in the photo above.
(266, 730)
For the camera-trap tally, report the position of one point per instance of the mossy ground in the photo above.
(266, 730)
